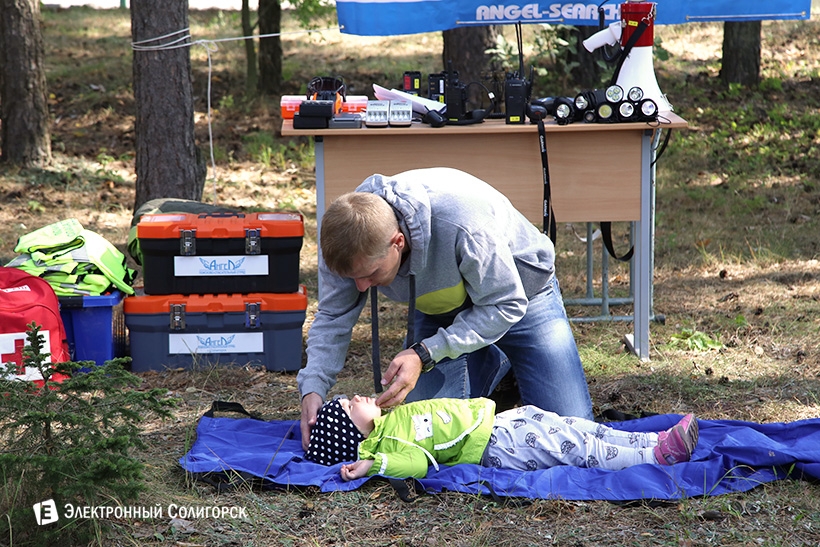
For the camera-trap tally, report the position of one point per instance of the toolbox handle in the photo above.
(221, 215)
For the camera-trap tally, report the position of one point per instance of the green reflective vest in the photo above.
(75, 261)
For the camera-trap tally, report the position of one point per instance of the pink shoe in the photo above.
(677, 443)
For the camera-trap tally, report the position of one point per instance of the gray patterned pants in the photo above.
(528, 438)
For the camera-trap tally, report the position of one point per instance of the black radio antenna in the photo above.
(609, 57)
(519, 36)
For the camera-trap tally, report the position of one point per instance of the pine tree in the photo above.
(71, 441)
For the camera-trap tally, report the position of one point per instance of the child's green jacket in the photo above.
(413, 436)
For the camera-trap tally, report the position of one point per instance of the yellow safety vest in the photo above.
(75, 261)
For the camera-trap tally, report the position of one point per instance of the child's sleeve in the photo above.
(408, 463)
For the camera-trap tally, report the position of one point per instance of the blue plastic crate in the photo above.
(94, 326)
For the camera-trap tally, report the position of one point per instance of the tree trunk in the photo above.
(587, 73)
(166, 155)
(24, 121)
(252, 76)
(741, 53)
(270, 49)
(465, 47)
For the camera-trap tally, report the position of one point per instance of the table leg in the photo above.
(643, 253)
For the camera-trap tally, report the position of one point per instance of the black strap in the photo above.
(229, 406)
(659, 153)
(652, 504)
(606, 236)
(411, 312)
(606, 227)
(549, 218)
(506, 501)
(642, 26)
(374, 342)
(229, 481)
(403, 490)
(612, 415)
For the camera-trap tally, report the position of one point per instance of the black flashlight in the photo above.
(614, 94)
(564, 110)
(648, 110)
(605, 112)
(627, 111)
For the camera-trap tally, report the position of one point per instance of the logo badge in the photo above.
(46, 512)
(226, 265)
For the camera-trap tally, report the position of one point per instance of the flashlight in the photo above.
(648, 110)
(587, 103)
(626, 111)
(614, 93)
(605, 112)
(564, 110)
(581, 102)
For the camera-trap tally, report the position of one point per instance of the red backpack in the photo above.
(25, 298)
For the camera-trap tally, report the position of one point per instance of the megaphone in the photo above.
(637, 26)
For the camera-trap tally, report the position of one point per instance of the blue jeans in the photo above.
(540, 349)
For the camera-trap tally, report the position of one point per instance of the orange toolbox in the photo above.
(186, 253)
(289, 104)
(171, 331)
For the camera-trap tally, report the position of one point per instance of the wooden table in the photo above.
(598, 172)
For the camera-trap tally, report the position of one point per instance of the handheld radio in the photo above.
(516, 87)
(435, 87)
(455, 95)
(412, 82)
(515, 98)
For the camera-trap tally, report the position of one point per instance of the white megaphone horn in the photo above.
(637, 70)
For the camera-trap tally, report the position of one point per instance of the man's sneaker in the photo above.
(676, 444)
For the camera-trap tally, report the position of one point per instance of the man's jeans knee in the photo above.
(540, 349)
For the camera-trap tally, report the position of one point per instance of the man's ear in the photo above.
(399, 240)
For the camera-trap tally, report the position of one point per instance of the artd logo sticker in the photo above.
(227, 265)
(215, 342)
(46, 512)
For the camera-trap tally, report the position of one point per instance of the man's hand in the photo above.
(403, 372)
(355, 470)
(311, 403)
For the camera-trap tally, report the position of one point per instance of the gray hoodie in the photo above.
(472, 254)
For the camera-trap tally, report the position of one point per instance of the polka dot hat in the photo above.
(334, 438)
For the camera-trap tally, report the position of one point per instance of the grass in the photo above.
(737, 278)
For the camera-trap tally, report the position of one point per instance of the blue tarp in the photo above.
(732, 456)
(393, 17)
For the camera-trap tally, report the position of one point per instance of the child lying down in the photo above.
(413, 436)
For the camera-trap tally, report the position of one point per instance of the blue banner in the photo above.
(392, 17)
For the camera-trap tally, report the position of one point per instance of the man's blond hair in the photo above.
(357, 225)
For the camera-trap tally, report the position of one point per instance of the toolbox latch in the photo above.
(252, 319)
(187, 242)
(177, 316)
(253, 242)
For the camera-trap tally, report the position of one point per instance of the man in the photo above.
(480, 277)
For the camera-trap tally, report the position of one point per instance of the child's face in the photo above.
(362, 411)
